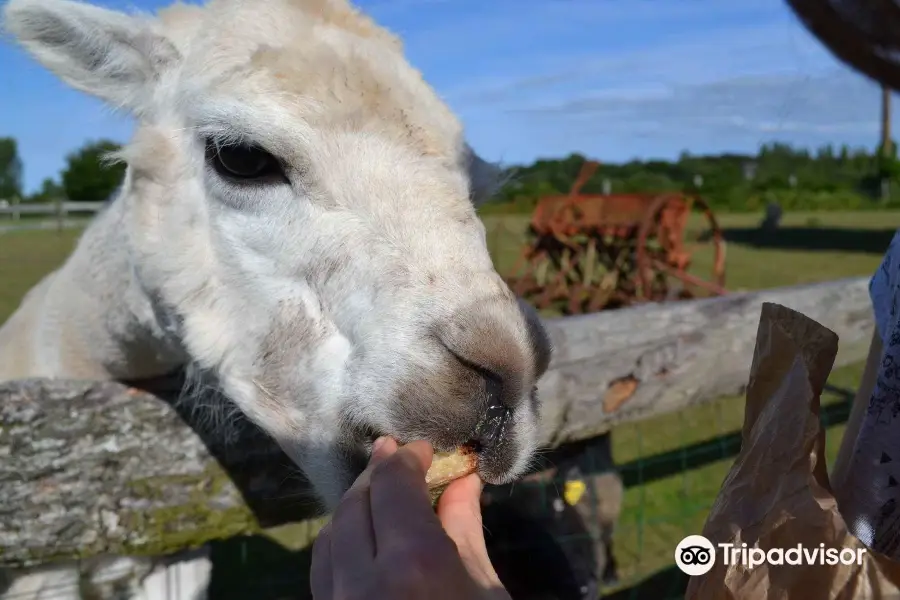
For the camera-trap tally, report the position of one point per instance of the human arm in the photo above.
(883, 288)
(857, 410)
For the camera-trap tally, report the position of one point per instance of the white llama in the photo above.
(297, 220)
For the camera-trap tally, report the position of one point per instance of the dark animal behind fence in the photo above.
(545, 546)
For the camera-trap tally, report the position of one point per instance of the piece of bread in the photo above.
(447, 467)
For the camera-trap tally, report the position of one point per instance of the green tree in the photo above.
(88, 177)
(827, 177)
(10, 169)
(49, 191)
(888, 165)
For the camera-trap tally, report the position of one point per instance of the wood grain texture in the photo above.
(671, 356)
(94, 468)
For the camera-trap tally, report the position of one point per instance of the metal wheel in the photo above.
(675, 258)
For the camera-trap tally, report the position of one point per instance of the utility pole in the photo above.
(886, 144)
(885, 116)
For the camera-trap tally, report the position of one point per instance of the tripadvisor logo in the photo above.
(696, 555)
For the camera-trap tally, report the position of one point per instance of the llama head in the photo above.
(302, 214)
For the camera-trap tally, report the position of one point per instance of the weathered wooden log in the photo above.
(92, 468)
(633, 364)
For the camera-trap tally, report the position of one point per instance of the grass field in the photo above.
(657, 514)
(25, 257)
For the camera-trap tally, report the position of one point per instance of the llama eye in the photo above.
(244, 162)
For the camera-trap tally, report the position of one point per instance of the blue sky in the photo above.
(613, 79)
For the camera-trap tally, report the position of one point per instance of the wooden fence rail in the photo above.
(59, 214)
(94, 468)
(16, 210)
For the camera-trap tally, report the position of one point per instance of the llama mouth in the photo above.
(491, 431)
(492, 441)
(369, 435)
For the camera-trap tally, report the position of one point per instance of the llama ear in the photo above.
(486, 178)
(108, 54)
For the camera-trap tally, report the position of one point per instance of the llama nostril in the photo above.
(492, 427)
(493, 388)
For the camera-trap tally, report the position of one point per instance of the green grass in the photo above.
(25, 257)
(657, 514)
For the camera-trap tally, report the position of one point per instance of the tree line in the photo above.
(827, 178)
(796, 178)
(86, 177)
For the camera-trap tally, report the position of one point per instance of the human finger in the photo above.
(399, 496)
(321, 569)
(381, 449)
(352, 534)
(459, 510)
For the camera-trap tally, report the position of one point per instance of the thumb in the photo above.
(459, 510)
(381, 449)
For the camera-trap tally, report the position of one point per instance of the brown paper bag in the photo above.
(777, 494)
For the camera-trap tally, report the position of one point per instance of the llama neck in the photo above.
(91, 318)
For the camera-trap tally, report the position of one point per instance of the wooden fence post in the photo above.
(60, 214)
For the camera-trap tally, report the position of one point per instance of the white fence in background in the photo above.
(45, 215)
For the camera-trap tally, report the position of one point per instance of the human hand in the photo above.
(385, 540)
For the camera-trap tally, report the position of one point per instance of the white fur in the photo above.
(313, 303)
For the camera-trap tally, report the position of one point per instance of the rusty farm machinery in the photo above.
(590, 252)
